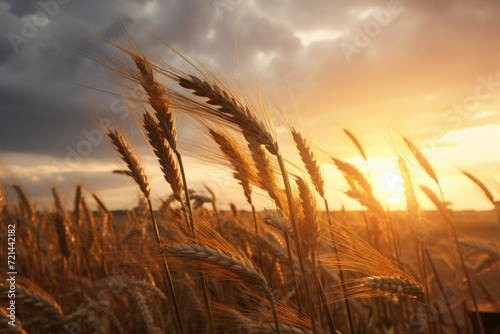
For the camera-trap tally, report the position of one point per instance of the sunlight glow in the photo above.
(320, 35)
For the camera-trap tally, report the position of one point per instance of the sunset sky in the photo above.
(427, 69)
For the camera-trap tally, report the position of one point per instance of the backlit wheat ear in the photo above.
(217, 260)
(310, 162)
(158, 99)
(166, 156)
(266, 179)
(481, 185)
(422, 160)
(396, 285)
(352, 174)
(310, 227)
(123, 148)
(28, 206)
(440, 206)
(243, 171)
(229, 108)
(356, 143)
(411, 200)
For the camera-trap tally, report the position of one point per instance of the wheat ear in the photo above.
(216, 261)
(123, 148)
(421, 159)
(230, 109)
(486, 192)
(62, 228)
(310, 162)
(356, 143)
(30, 298)
(237, 268)
(392, 284)
(158, 99)
(28, 205)
(481, 185)
(310, 227)
(145, 312)
(165, 155)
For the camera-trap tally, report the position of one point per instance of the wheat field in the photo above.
(190, 263)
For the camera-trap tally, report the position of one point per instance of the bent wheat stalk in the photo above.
(140, 177)
(446, 215)
(215, 260)
(159, 101)
(314, 171)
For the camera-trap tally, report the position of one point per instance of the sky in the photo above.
(429, 70)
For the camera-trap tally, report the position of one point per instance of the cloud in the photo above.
(427, 57)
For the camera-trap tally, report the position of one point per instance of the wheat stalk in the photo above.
(446, 215)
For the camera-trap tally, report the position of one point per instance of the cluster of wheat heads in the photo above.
(295, 268)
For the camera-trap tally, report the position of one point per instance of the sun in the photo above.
(387, 182)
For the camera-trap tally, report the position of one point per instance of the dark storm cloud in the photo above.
(21, 8)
